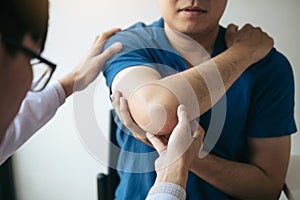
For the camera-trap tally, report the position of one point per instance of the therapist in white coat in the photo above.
(39, 107)
(26, 101)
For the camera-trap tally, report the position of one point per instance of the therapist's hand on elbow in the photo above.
(91, 64)
(121, 107)
(178, 152)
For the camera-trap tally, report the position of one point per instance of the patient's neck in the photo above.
(195, 48)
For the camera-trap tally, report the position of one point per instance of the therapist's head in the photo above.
(23, 31)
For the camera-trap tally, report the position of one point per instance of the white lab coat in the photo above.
(36, 110)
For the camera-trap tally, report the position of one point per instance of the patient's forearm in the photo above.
(153, 102)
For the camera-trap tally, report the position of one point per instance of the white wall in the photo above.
(54, 164)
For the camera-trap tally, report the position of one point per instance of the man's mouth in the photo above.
(193, 10)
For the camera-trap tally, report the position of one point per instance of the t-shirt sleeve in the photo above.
(36, 110)
(272, 106)
(134, 53)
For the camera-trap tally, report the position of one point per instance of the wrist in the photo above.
(241, 55)
(67, 83)
(202, 164)
(174, 173)
(194, 164)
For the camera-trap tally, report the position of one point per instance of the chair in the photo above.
(7, 190)
(107, 183)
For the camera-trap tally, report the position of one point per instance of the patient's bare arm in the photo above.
(153, 100)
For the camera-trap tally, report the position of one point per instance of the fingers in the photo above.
(258, 32)
(106, 55)
(182, 114)
(198, 131)
(231, 28)
(109, 52)
(121, 106)
(124, 113)
(252, 39)
(157, 143)
(107, 34)
(249, 27)
(198, 137)
(122, 109)
(231, 32)
(100, 41)
(116, 102)
(182, 131)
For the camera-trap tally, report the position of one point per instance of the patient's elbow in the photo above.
(154, 109)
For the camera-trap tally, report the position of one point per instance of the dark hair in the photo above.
(20, 17)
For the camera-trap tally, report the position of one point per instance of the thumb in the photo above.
(231, 32)
(156, 142)
(182, 114)
(182, 130)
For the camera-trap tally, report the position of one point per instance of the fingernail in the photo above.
(117, 45)
(182, 107)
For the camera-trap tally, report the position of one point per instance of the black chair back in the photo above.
(107, 184)
(7, 189)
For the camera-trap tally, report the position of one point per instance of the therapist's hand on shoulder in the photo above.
(91, 64)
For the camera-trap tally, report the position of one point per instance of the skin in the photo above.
(173, 161)
(144, 95)
(16, 78)
(175, 158)
(263, 176)
(90, 65)
(202, 26)
(16, 74)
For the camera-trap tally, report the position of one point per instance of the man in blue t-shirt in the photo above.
(247, 130)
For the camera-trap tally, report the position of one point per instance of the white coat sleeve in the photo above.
(36, 110)
(166, 191)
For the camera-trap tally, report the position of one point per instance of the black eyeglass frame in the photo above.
(32, 55)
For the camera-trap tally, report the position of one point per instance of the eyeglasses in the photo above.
(42, 68)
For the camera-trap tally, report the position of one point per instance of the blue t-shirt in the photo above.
(259, 104)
